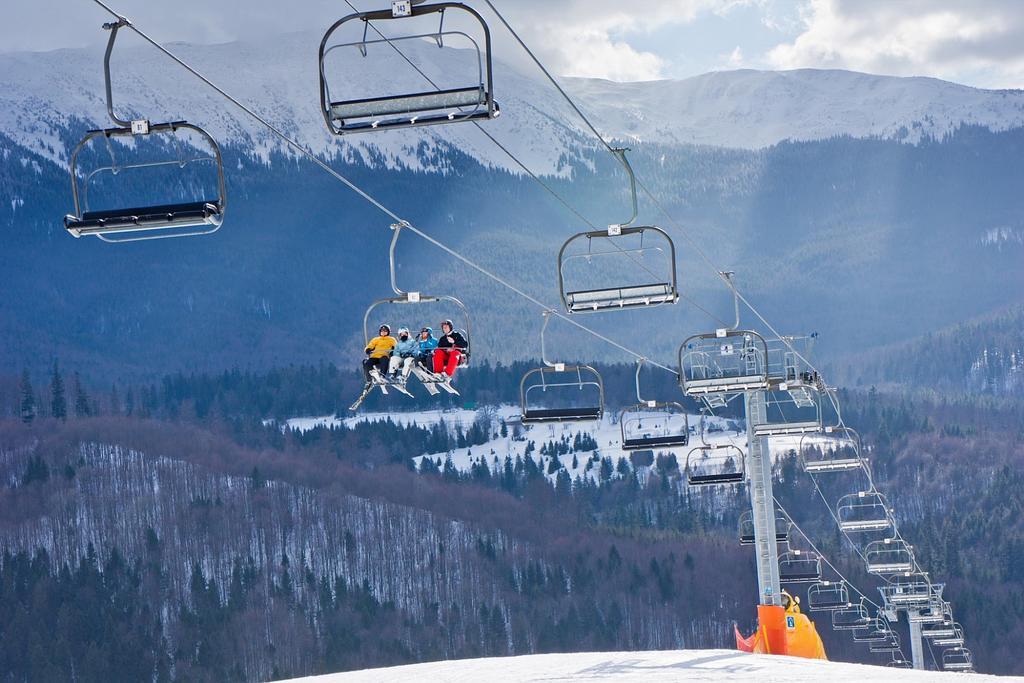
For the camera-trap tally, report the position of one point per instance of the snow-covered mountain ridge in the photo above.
(42, 94)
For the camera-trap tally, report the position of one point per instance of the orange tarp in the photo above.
(782, 633)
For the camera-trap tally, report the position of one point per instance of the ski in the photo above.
(362, 397)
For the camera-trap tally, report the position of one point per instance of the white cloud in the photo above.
(588, 37)
(981, 40)
(735, 59)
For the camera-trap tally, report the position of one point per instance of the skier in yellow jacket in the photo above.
(378, 353)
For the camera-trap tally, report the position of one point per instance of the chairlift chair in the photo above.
(826, 596)
(625, 248)
(784, 416)
(559, 378)
(471, 102)
(175, 147)
(957, 659)
(941, 629)
(936, 612)
(954, 640)
(799, 566)
(912, 592)
(724, 361)
(433, 382)
(653, 424)
(888, 556)
(714, 465)
(746, 528)
(890, 644)
(849, 618)
(403, 297)
(864, 511)
(877, 631)
(835, 450)
(899, 663)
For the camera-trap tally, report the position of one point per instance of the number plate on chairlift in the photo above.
(140, 127)
(401, 8)
(412, 297)
(726, 350)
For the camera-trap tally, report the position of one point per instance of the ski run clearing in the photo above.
(606, 434)
(643, 667)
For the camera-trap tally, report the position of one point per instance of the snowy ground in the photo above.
(607, 434)
(643, 667)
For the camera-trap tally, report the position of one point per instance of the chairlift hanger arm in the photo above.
(620, 154)
(113, 28)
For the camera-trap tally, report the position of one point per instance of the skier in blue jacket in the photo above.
(427, 344)
(404, 354)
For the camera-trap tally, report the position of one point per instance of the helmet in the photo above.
(385, 326)
(403, 330)
(448, 323)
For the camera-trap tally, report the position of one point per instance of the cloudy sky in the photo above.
(976, 42)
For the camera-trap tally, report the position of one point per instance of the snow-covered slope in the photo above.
(40, 93)
(641, 667)
(583, 463)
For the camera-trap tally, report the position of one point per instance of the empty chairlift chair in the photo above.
(889, 556)
(837, 450)
(471, 98)
(714, 465)
(941, 629)
(799, 566)
(722, 362)
(877, 631)
(826, 596)
(558, 392)
(786, 416)
(653, 424)
(173, 172)
(852, 617)
(746, 528)
(616, 269)
(864, 511)
(954, 640)
(889, 645)
(957, 659)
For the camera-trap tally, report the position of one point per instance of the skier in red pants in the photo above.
(450, 347)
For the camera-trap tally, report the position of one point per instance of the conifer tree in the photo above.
(58, 402)
(28, 398)
(82, 408)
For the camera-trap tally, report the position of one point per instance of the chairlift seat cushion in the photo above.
(561, 414)
(654, 442)
(707, 479)
(786, 428)
(146, 217)
(408, 104)
(621, 297)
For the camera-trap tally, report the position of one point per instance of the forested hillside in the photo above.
(272, 553)
(984, 356)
